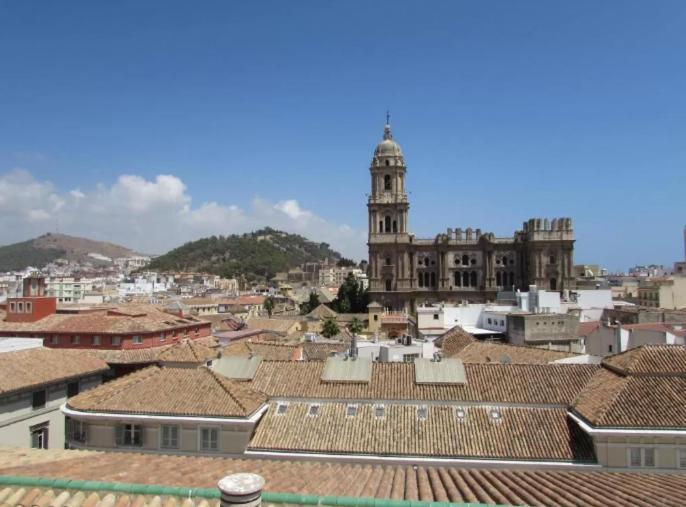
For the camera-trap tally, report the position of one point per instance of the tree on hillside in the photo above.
(345, 263)
(310, 304)
(269, 306)
(329, 328)
(355, 326)
(351, 298)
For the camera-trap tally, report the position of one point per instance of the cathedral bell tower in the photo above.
(389, 266)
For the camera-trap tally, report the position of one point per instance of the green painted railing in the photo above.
(213, 493)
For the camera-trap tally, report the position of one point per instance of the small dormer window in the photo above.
(351, 411)
(313, 410)
(379, 411)
(496, 415)
(460, 413)
(422, 412)
(281, 408)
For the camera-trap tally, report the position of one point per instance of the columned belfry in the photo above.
(460, 264)
(388, 207)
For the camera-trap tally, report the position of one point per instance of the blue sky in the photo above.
(268, 112)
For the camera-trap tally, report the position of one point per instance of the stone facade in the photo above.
(461, 264)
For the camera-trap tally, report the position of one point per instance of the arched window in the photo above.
(388, 261)
(389, 284)
(387, 224)
(380, 225)
(552, 259)
(457, 260)
(465, 260)
(387, 162)
(498, 279)
(420, 279)
(458, 279)
(395, 226)
(472, 279)
(465, 279)
(433, 279)
(387, 180)
(512, 280)
(553, 284)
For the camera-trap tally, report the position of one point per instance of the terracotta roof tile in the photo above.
(284, 326)
(644, 387)
(490, 352)
(171, 391)
(458, 485)
(453, 341)
(120, 320)
(549, 384)
(26, 369)
(322, 312)
(518, 433)
(586, 328)
(650, 359)
(319, 351)
(269, 351)
(187, 351)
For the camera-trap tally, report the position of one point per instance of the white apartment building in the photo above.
(37, 382)
(68, 289)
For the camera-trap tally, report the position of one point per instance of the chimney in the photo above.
(353, 346)
(241, 490)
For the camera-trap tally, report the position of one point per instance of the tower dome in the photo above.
(388, 147)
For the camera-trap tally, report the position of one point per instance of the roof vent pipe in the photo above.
(244, 490)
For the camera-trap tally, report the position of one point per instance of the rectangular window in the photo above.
(129, 435)
(435, 316)
(75, 340)
(96, 341)
(116, 341)
(137, 340)
(682, 458)
(20, 307)
(72, 389)
(379, 411)
(39, 436)
(489, 321)
(609, 348)
(29, 307)
(634, 457)
(649, 457)
(209, 439)
(13, 307)
(170, 437)
(642, 457)
(39, 398)
(54, 340)
(351, 411)
(162, 336)
(76, 431)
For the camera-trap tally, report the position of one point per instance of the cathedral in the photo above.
(460, 264)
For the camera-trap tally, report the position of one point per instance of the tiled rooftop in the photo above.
(25, 369)
(490, 352)
(650, 359)
(188, 351)
(441, 432)
(534, 384)
(171, 391)
(269, 351)
(125, 319)
(453, 341)
(535, 488)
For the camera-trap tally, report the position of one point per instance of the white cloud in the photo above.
(151, 215)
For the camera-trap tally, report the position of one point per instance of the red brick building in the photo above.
(101, 328)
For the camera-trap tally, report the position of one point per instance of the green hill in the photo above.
(257, 255)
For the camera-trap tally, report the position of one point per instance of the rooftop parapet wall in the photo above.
(542, 229)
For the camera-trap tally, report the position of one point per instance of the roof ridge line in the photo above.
(220, 381)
